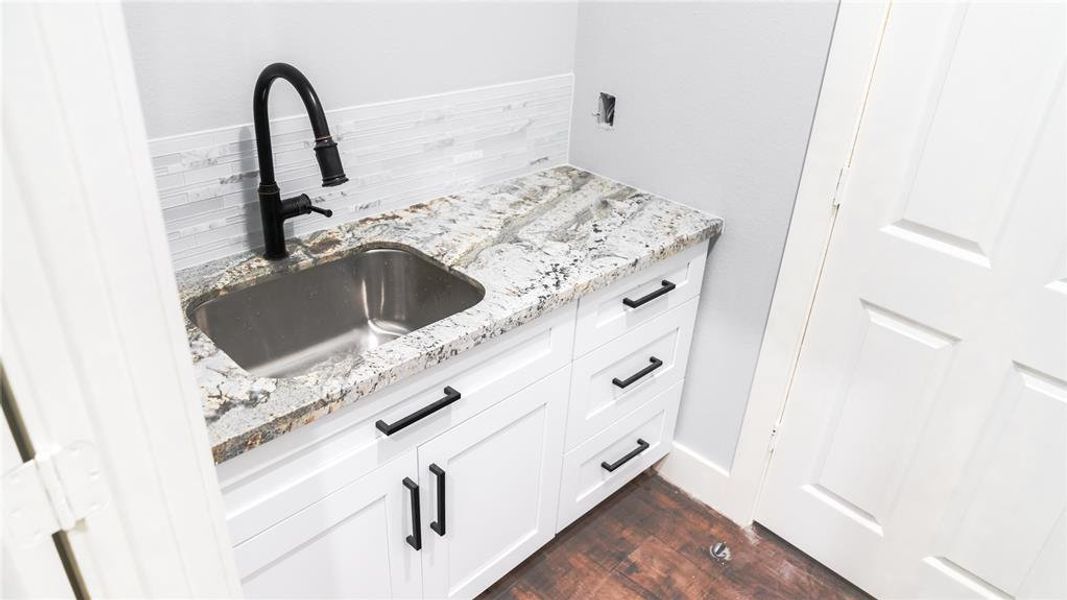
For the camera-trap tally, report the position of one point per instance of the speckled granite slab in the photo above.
(535, 243)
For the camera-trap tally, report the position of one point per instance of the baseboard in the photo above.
(700, 478)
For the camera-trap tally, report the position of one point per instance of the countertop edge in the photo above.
(305, 415)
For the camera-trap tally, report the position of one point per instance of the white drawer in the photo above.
(586, 476)
(269, 483)
(620, 376)
(604, 315)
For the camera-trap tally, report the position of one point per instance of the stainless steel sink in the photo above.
(284, 326)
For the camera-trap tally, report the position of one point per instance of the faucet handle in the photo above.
(301, 205)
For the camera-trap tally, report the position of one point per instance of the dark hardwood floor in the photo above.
(650, 540)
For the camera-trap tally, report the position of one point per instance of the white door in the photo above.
(923, 451)
(358, 542)
(92, 335)
(500, 473)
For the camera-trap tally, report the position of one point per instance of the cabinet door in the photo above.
(350, 544)
(500, 472)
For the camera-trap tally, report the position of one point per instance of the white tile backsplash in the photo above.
(395, 154)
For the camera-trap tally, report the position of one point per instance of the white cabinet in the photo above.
(275, 480)
(613, 380)
(500, 473)
(446, 506)
(632, 301)
(600, 466)
(350, 544)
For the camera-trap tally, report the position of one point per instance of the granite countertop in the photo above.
(535, 243)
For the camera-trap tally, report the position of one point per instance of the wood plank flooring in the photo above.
(650, 540)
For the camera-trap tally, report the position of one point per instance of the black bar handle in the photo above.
(667, 286)
(415, 539)
(642, 445)
(624, 383)
(439, 524)
(451, 396)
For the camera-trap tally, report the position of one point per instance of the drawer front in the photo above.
(269, 483)
(602, 465)
(606, 315)
(617, 378)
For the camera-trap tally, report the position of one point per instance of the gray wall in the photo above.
(196, 63)
(715, 103)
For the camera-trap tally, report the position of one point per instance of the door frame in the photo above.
(94, 343)
(30, 571)
(854, 46)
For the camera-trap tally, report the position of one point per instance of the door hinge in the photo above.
(52, 493)
(774, 440)
(840, 188)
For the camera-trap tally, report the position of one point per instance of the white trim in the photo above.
(27, 570)
(698, 476)
(93, 338)
(853, 50)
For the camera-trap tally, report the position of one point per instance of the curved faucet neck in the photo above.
(262, 122)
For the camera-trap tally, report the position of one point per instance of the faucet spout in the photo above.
(273, 209)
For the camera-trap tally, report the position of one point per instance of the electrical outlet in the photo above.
(605, 110)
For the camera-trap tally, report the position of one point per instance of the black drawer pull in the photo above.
(624, 383)
(642, 445)
(667, 286)
(415, 539)
(439, 524)
(451, 396)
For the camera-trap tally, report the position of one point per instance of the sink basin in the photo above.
(285, 325)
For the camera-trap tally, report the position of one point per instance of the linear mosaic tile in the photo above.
(395, 154)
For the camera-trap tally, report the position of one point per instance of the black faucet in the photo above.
(272, 208)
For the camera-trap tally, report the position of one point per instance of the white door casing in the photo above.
(923, 450)
(93, 338)
(732, 489)
(30, 570)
